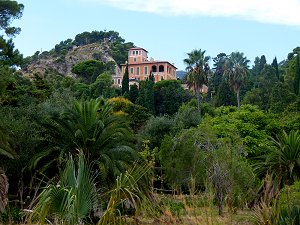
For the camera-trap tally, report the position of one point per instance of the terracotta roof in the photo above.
(138, 48)
(148, 62)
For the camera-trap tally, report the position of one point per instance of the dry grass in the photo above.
(197, 211)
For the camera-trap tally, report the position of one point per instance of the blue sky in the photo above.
(168, 29)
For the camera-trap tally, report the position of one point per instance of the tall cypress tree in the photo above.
(297, 75)
(125, 81)
(133, 93)
(151, 76)
(149, 96)
(275, 66)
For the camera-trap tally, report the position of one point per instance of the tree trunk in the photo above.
(199, 102)
(3, 190)
(238, 98)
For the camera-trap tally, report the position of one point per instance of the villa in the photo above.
(139, 67)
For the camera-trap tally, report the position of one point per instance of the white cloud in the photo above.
(267, 11)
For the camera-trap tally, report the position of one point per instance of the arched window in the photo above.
(161, 68)
(154, 69)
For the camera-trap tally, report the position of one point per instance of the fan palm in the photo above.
(71, 200)
(197, 72)
(91, 127)
(283, 158)
(236, 69)
(132, 187)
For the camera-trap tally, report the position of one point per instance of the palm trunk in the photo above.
(199, 102)
(238, 98)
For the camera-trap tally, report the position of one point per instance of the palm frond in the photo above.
(127, 188)
(72, 199)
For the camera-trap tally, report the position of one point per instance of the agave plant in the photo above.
(69, 201)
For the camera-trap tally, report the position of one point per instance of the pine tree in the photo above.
(125, 81)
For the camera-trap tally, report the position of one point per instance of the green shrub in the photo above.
(11, 215)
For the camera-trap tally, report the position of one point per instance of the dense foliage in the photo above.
(79, 150)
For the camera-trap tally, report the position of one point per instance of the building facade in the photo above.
(139, 68)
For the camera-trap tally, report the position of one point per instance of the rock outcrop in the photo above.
(63, 64)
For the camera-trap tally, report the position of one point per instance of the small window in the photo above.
(133, 52)
(131, 70)
(161, 78)
(146, 70)
(119, 81)
(134, 59)
(138, 71)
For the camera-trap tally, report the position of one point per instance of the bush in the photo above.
(11, 215)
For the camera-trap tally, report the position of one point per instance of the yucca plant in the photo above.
(72, 199)
(133, 188)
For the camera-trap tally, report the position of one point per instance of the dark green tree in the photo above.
(151, 76)
(149, 96)
(275, 66)
(225, 95)
(281, 97)
(218, 69)
(89, 70)
(133, 93)
(103, 85)
(125, 81)
(297, 75)
(10, 10)
(8, 55)
(146, 95)
(169, 96)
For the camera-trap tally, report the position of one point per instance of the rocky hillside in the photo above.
(63, 64)
(107, 47)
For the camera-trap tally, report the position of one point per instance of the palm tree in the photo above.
(133, 188)
(282, 159)
(236, 68)
(69, 201)
(197, 72)
(74, 197)
(91, 127)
